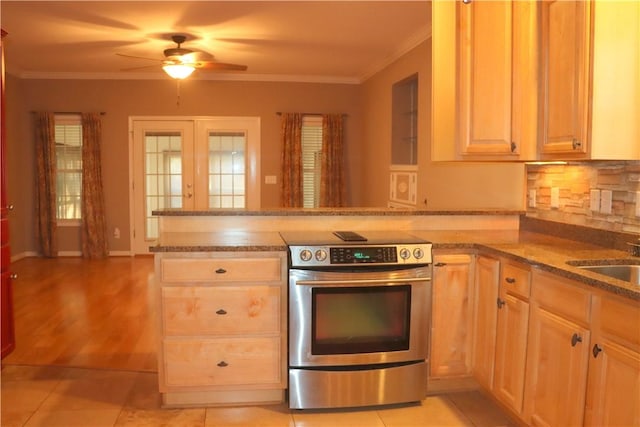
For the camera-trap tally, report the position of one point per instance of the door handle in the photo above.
(575, 339)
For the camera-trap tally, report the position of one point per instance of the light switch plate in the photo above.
(605, 201)
(532, 198)
(594, 204)
(555, 197)
(270, 179)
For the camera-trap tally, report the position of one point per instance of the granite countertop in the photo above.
(546, 252)
(334, 212)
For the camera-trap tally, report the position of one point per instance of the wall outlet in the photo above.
(116, 233)
(532, 198)
(594, 201)
(606, 197)
(555, 197)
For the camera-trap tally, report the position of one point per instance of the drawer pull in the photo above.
(223, 364)
(575, 339)
(510, 280)
(221, 271)
(221, 312)
(596, 350)
(439, 264)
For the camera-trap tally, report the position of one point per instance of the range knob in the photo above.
(305, 255)
(404, 253)
(321, 255)
(418, 253)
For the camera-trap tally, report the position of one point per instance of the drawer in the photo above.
(223, 362)
(561, 296)
(221, 270)
(516, 279)
(224, 310)
(620, 319)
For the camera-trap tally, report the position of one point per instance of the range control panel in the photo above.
(350, 255)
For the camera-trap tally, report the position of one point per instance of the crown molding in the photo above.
(28, 75)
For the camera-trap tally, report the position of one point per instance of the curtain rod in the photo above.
(279, 113)
(102, 113)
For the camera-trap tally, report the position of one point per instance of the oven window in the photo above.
(349, 320)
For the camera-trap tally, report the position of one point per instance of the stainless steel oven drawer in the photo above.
(351, 388)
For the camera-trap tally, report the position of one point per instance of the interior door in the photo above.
(192, 164)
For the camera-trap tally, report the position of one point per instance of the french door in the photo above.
(191, 164)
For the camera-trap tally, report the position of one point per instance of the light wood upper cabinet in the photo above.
(485, 319)
(484, 80)
(497, 79)
(590, 80)
(452, 311)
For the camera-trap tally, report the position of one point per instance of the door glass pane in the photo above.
(227, 169)
(163, 176)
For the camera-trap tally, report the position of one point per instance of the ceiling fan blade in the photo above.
(221, 66)
(138, 57)
(139, 68)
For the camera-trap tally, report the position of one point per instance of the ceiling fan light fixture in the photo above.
(179, 71)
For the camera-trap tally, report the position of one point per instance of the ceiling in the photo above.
(323, 41)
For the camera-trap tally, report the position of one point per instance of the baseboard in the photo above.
(33, 254)
(26, 254)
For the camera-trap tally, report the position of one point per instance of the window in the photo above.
(311, 160)
(227, 170)
(68, 135)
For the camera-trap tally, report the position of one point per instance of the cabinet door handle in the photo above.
(596, 350)
(221, 271)
(576, 144)
(575, 339)
(221, 312)
(439, 264)
(510, 280)
(513, 147)
(500, 303)
(223, 364)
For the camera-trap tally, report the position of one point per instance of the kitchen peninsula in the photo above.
(505, 257)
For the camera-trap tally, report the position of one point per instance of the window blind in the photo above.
(311, 160)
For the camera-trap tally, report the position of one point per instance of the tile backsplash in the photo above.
(576, 193)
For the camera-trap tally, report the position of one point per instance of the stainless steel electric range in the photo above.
(359, 318)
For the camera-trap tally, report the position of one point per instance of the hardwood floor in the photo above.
(85, 313)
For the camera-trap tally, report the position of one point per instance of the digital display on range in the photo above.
(351, 255)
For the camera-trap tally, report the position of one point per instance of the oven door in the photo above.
(358, 317)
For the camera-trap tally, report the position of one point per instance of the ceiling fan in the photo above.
(180, 62)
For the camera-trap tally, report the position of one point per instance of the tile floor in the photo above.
(51, 396)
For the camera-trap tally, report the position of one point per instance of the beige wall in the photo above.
(121, 99)
(444, 185)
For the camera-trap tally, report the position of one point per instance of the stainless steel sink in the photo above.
(628, 273)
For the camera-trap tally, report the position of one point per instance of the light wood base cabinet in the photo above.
(485, 319)
(613, 390)
(452, 315)
(511, 334)
(222, 323)
(558, 352)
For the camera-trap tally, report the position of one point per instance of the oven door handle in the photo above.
(361, 281)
